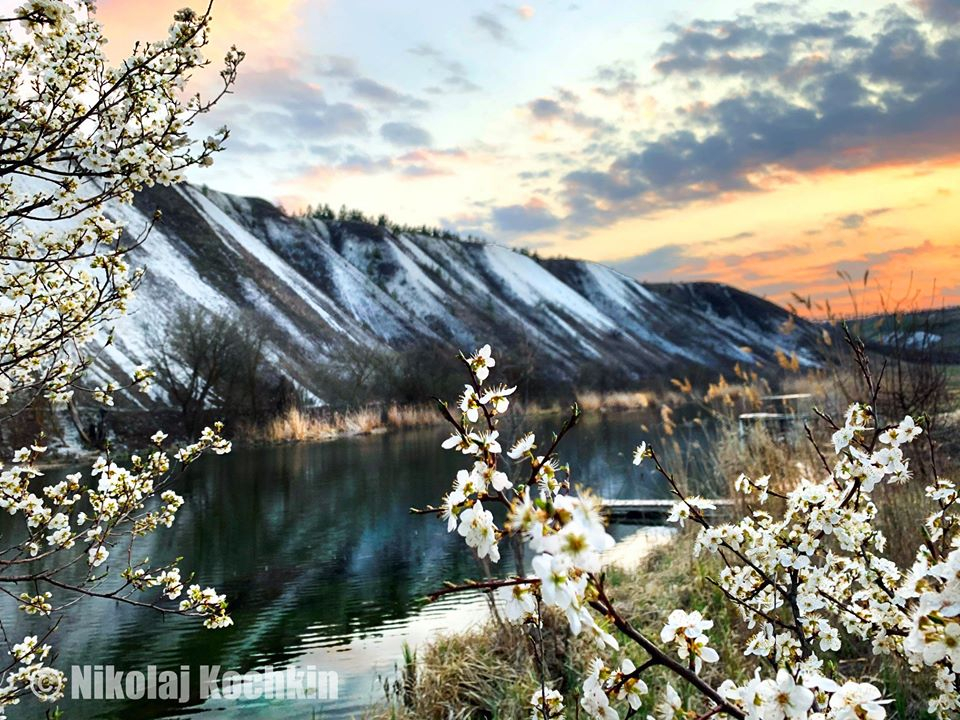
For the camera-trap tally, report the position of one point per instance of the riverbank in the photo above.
(132, 433)
(491, 672)
(296, 425)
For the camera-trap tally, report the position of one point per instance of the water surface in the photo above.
(322, 562)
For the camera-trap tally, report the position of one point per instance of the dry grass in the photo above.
(409, 416)
(902, 511)
(489, 672)
(760, 451)
(603, 402)
(295, 425)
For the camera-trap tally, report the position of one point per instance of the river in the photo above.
(322, 562)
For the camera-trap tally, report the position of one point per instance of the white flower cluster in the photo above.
(546, 703)
(601, 685)
(802, 573)
(932, 589)
(688, 632)
(814, 569)
(29, 673)
(83, 522)
(76, 133)
(567, 533)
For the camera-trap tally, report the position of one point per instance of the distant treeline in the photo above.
(345, 214)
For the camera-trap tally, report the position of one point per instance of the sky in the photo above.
(779, 147)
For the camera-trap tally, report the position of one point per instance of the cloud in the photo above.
(424, 155)
(853, 221)
(337, 66)
(423, 171)
(405, 134)
(345, 158)
(744, 235)
(384, 96)
(533, 216)
(661, 263)
(947, 11)
(365, 89)
(534, 174)
(425, 163)
(362, 164)
(455, 84)
(241, 145)
(798, 95)
(455, 76)
(813, 269)
(565, 108)
(492, 26)
(280, 106)
(617, 80)
(545, 109)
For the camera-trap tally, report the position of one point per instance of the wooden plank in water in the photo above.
(652, 510)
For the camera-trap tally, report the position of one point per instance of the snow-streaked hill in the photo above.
(321, 288)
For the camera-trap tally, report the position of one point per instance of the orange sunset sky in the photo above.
(767, 145)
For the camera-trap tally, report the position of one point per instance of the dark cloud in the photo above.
(492, 26)
(565, 108)
(946, 11)
(853, 221)
(379, 94)
(532, 217)
(545, 109)
(760, 44)
(405, 134)
(890, 93)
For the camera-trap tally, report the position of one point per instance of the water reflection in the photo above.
(322, 562)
